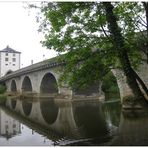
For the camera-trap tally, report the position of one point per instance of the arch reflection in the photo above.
(89, 119)
(77, 121)
(49, 110)
(112, 113)
(27, 107)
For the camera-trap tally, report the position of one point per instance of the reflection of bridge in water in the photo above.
(8, 126)
(79, 123)
(57, 119)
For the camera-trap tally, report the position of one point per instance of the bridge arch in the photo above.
(49, 84)
(26, 84)
(13, 86)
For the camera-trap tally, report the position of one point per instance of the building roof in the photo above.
(9, 50)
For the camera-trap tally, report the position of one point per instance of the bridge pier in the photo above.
(66, 91)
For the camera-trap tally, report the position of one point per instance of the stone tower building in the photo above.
(9, 61)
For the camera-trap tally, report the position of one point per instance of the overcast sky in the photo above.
(18, 29)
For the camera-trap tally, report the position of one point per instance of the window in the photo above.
(13, 64)
(6, 59)
(14, 125)
(13, 54)
(6, 64)
(6, 54)
(13, 59)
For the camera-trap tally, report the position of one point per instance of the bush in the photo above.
(110, 83)
(2, 89)
(2, 99)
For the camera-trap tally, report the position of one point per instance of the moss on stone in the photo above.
(128, 99)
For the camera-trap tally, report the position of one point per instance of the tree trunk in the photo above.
(119, 45)
(141, 82)
(145, 4)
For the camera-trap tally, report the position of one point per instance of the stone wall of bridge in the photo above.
(124, 88)
(64, 117)
(36, 80)
(42, 83)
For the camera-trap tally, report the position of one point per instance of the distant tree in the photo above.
(96, 36)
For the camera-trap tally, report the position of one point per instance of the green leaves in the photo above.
(79, 27)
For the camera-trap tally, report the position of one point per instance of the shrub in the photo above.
(110, 83)
(2, 89)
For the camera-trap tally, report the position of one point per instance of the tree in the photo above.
(90, 33)
(121, 49)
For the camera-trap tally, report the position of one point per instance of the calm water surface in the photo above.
(49, 122)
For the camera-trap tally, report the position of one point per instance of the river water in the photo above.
(50, 122)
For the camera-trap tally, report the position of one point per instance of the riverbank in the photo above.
(2, 99)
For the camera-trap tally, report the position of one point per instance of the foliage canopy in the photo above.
(80, 29)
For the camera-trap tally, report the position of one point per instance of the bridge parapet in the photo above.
(32, 68)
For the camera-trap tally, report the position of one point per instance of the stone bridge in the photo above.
(42, 79)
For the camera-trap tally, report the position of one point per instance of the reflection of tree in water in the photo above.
(112, 113)
(49, 110)
(89, 119)
(132, 129)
